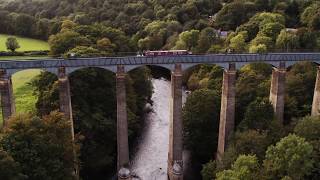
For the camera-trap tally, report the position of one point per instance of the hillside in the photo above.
(159, 24)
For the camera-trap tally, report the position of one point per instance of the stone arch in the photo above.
(70, 70)
(169, 67)
(292, 63)
(188, 66)
(11, 72)
(157, 71)
(275, 64)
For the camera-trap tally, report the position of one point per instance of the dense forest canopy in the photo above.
(260, 148)
(172, 24)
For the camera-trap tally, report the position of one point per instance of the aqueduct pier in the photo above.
(176, 64)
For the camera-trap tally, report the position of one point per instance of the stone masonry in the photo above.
(227, 114)
(175, 164)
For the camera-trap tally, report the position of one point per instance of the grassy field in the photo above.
(23, 92)
(26, 44)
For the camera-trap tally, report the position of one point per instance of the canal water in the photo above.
(150, 159)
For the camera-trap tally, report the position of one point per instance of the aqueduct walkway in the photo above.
(176, 64)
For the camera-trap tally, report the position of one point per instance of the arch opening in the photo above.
(25, 89)
(156, 71)
(300, 85)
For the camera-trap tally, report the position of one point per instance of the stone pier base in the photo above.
(227, 114)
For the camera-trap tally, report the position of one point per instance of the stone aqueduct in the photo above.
(176, 64)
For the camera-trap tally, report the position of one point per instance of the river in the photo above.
(150, 159)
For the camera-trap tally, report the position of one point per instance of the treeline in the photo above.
(252, 25)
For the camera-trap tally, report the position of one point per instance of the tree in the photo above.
(291, 156)
(24, 25)
(238, 43)
(94, 111)
(287, 40)
(106, 45)
(246, 167)
(84, 51)
(66, 40)
(261, 39)
(259, 21)
(187, 40)
(310, 16)
(233, 14)
(299, 88)
(271, 30)
(259, 115)
(43, 147)
(261, 48)
(209, 170)
(9, 169)
(309, 128)
(307, 38)
(206, 39)
(67, 25)
(253, 82)
(247, 142)
(12, 44)
(201, 123)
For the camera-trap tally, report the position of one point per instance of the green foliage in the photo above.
(83, 51)
(259, 22)
(207, 77)
(300, 82)
(261, 48)
(291, 156)
(12, 44)
(9, 169)
(253, 82)
(46, 89)
(246, 167)
(262, 40)
(247, 142)
(310, 16)
(106, 45)
(307, 38)
(201, 123)
(309, 128)
(64, 41)
(259, 115)
(22, 24)
(272, 30)
(287, 41)
(188, 40)
(233, 14)
(206, 39)
(238, 43)
(94, 111)
(42, 147)
(209, 170)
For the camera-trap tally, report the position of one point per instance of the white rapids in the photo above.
(150, 160)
